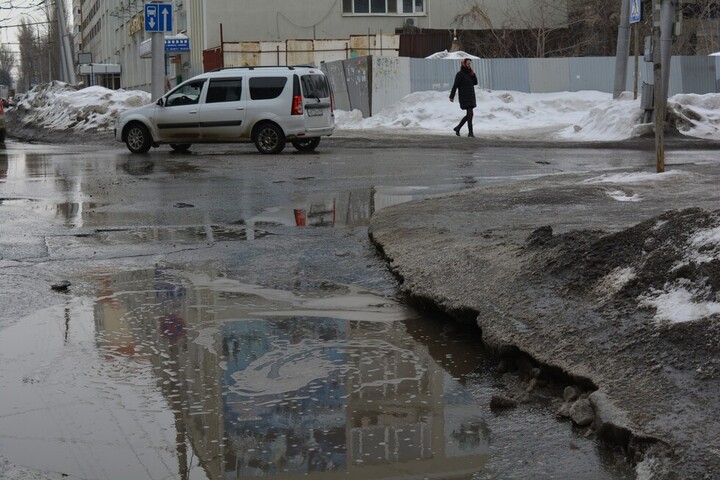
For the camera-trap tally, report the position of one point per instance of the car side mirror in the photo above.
(160, 102)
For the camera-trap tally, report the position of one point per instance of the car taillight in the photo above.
(297, 105)
(1, 109)
(332, 102)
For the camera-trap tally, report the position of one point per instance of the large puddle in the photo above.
(168, 374)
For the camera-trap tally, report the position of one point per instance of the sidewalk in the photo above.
(564, 269)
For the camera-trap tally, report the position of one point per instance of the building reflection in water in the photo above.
(269, 383)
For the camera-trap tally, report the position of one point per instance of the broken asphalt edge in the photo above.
(430, 246)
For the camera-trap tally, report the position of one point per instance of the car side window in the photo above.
(225, 90)
(188, 94)
(266, 88)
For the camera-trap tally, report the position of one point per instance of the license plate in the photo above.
(315, 112)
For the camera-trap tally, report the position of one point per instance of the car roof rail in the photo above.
(253, 67)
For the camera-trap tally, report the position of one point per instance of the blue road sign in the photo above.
(177, 44)
(158, 17)
(635, 11)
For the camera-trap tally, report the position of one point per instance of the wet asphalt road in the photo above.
(145, 237)
(57, 199)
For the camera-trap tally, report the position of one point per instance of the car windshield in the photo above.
(315, 86)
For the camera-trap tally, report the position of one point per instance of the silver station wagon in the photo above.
(267, 106)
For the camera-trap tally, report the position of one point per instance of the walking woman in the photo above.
(465, 81)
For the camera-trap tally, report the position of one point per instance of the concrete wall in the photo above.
(370, 83)
(308, 52)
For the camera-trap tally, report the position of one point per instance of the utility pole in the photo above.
(158, 64)
(663, 17)
(623, 49)
(67, 70)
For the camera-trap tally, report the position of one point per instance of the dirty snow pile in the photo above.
(60, 106)
(670, 263)
(562, 116)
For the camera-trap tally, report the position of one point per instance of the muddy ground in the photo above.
(554, 272)
(559, 274)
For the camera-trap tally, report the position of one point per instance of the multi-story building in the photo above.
(112, 31)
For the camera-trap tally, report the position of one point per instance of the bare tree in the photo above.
(7, 63)
(537, 28)
(576, 28)
(29, 68)
(701, 28)
(51, 46)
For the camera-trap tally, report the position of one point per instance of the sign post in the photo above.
(635, 11)
(635, 18)
(158, 20)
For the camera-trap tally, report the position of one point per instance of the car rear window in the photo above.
(265, 88)
(315, 86)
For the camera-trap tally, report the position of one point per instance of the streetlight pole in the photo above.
(66, 57)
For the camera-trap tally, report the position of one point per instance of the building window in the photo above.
(387, 7)
(413, 6)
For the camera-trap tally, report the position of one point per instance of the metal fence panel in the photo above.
(390, 81)
(698, 75)
(336, 74)
(432, 74)
(357, 77)
(367, 83)
(483, 70)
(510, 74)
(549, 74)
(592, 73)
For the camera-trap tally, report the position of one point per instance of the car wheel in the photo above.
(138, 138)
(306, 144)
(269, 138)
(180, 147)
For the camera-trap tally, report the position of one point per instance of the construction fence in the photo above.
(369, 83)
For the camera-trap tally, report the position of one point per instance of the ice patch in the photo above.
(613, 282)
(633, 177)
(677, 305)
(622, 196)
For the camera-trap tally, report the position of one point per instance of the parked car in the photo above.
(2, 124)
(268, 106)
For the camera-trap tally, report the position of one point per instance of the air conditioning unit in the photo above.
(410, 22)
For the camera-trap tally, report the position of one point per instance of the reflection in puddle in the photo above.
(181, 235)
(350, 208)
(266, 382)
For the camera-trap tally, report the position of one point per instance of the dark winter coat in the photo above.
(465, 81)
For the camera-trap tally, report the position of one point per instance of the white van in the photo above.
(264, 105)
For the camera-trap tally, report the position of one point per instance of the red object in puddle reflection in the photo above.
(173, 326)
(300, 217)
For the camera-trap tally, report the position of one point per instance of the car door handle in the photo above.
(193, 112)
(240, 108)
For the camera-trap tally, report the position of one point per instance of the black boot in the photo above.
(460, 125)
(470, 129)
